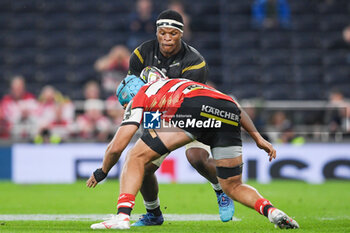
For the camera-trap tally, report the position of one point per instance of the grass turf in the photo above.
(317, 208)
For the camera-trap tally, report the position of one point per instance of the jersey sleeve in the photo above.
(136, 62)
(196, 71)
(132, 116)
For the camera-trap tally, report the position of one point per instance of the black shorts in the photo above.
(219, 121)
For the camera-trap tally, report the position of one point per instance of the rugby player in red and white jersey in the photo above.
(190, 106)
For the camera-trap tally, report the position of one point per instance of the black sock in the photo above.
(156, 212)
(124, 210)
(266, 210)
(218, 192)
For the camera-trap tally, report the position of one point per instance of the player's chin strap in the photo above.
(99, 175)
(227, 172)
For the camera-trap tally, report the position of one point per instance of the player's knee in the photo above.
(139, 155)
(197, 157)
(197, 163)
(150, 169)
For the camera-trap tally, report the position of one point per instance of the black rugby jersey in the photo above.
(187, 63)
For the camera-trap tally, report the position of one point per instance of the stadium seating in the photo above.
(301, 56)
(275, 57)
(52, 42)
(305, 22)
(307, 74)
(244, 75)
(311, 91)
(306, 40)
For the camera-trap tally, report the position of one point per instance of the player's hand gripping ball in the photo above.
(151, 74)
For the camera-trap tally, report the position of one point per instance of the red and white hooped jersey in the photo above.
(166, 95)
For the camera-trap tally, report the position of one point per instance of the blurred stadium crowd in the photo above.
(61, 61)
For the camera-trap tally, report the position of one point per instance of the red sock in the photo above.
(126, 203)
(263, 206)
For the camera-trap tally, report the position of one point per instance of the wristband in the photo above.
(99, 174)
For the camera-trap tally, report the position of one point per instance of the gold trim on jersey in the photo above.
(154, 103)
(138, 54)
(219, 119)
(195, 67)
(162, 101)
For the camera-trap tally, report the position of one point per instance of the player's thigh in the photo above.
(195, 147)
(174, 139)
(142, 151)
(162, 142)
(197, 153)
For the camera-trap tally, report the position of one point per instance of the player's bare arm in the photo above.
(249, 126)
(115, 148)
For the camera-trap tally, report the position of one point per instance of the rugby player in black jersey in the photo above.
(176, 59)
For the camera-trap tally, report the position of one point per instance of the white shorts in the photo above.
(197, 144)
(193, 144)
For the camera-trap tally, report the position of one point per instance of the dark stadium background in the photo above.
(57, 42)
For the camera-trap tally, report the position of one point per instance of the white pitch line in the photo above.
(97, 217)
(335, 218)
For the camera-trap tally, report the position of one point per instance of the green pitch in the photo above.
(317, 208)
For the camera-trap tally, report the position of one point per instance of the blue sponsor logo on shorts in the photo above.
(151, 120)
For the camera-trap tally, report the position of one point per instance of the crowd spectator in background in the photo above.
(91, 90)
(19, 108)
(342, 42)
(283, 131)
(114, 110)
(19, 102)
(178, 6)
(113, 67)
(259, 123)
(112, 106)
(26, 127)
(50, 100)
(270, 14)
(45, 136)
(92, 124)
(141, 23)
(346, 36)
(5, 126)
(339, 114)
(61, 127)
(278, 123)
(289, 135)
(56, 114)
